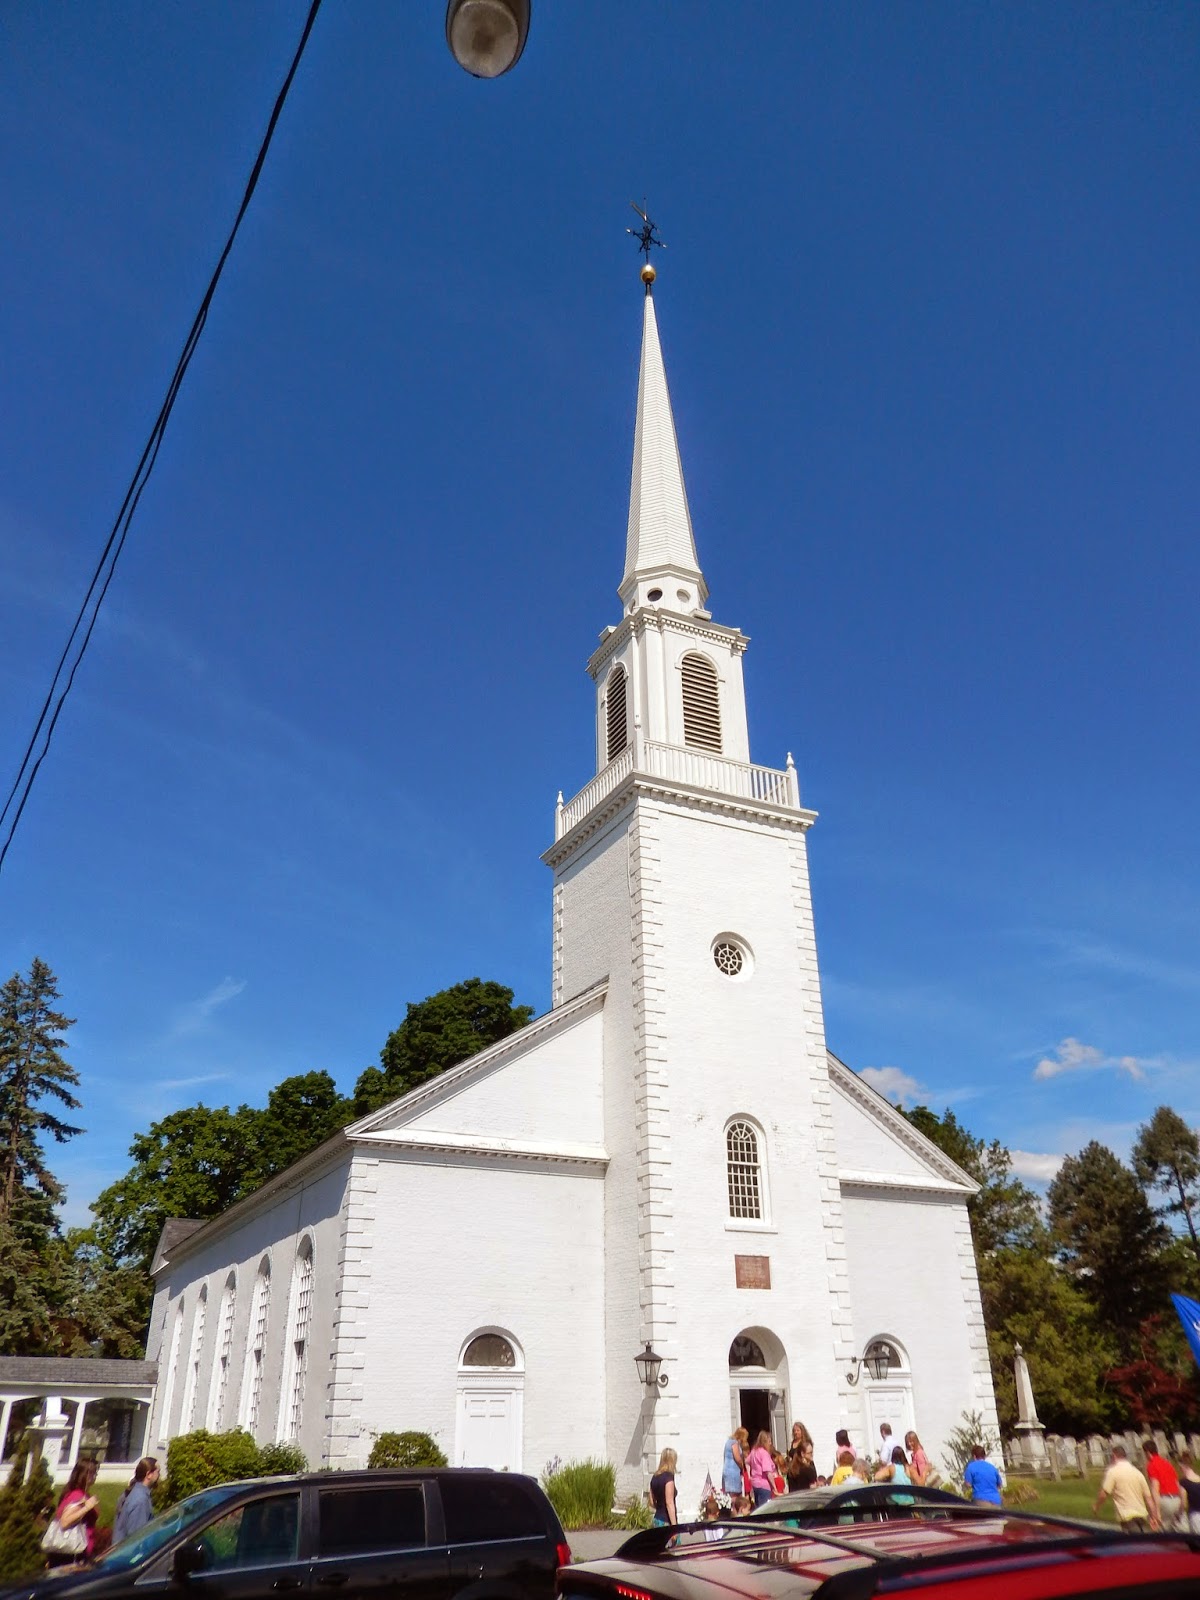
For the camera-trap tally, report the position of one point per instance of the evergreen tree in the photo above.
(1167, 1157)
(25, 1505)
(32, 1070)
(439, 1032)
(1109, 1240)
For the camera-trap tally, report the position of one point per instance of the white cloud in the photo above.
(1030, 1164)
(893, 1082)
(192, 1017)
(190, 1083)
(1072, 1055)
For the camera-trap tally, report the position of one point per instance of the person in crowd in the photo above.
(662, 1491)
(1164, 1487)
(900, 1466)
(779, 1476)
(1130, 1494)
(841, 1440)
(918, 1469)
(800, 1471)
(1189, 1482)
(886, 1443)
(983, 1479)
(733, 1468)
(761, 1466)
(845, 1466)
(78, 1505)
(860, 1472)
(134, 1509)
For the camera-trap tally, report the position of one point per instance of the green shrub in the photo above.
(25, 1509)
(201, 1459)
(637, 1514)
(582, 1493)
(405, 1450)
(274, 1460)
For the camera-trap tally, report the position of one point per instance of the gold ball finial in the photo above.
(648, 274)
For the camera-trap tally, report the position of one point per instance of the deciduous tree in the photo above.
(439, 1032)
(1004, 1214)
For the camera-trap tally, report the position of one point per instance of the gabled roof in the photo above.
(944, 1174)
(98, 1372)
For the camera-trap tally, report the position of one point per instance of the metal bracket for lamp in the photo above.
(878, 1365)
(648, 1362)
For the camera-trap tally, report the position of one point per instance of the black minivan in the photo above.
(455, 1534)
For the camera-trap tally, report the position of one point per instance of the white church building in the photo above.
(671, 1157)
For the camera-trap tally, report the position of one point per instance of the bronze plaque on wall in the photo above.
(753, 1272)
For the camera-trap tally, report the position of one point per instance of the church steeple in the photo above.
(661, 567)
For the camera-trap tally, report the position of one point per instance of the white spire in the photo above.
(659, 544)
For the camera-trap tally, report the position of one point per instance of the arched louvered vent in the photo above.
(701, 704)
(616, 714)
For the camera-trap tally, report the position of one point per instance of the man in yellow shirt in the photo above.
(1130, 1495)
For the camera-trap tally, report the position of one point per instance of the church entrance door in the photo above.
(489, 1417)
(755, 1407)
(758, 1385)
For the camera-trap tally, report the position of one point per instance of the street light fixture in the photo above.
(486, 37)
(877, 1361)
(648, 1362)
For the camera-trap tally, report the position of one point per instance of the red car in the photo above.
(976, 1556)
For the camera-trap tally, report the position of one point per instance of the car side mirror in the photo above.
(189, 1558)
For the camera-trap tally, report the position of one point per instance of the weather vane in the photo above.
(645, 234)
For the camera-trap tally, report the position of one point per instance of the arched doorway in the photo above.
(489, 1415)
(758, 1385)
(889, 1399)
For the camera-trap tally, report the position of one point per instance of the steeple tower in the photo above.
(660, 549)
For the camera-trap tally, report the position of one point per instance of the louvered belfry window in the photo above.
(745, 1192)
(701, 704)
(616, 714)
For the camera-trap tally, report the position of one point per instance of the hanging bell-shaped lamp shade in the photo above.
(486, 37)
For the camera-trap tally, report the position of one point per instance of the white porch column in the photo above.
(76, 1431)
(5, 1416)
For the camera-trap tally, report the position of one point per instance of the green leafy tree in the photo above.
(1029, 1300)
(26, 1504)
(1109, 1240)
(198, 1161)
(1004, 1214)
(1166, 1157)
(32, 1073)
(439, 1032)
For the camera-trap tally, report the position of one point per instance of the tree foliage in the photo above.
(439, 1032)
(198, 1161)
(1166, 1158)
(407, 1450)
(1004, 1213)
(1109, 1240)
(25, 1506)
(33, 1072)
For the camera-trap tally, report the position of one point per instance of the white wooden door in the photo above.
(889, 1402)
(489, 1429)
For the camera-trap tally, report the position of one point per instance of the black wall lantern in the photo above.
(648, 1362)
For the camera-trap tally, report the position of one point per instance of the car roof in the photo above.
(990, 1557)
(818, 1499)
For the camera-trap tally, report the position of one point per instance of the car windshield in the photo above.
(148, 1541)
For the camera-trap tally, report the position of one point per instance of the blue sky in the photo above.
(930, 318)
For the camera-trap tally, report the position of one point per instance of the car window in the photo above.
(479, 1508)
(253, 1535)
(387, 1517)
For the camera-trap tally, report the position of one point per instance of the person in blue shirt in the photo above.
(134, 1509)
(983, 1479)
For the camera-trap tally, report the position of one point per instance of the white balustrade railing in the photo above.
(677, 764)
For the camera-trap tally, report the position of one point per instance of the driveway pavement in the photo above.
(592, 1544)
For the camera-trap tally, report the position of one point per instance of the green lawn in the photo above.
(1070, 1497)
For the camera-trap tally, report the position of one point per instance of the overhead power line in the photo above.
(85, 622)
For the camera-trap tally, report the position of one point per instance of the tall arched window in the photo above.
(224, 1355)
(256, 1347)
(191, 1385)
(616, 713)
(745, 1173)
(291, 1404)
(701, 704)
(164, 1426)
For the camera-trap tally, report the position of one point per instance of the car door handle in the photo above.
(333, 1580)
(288, 1583)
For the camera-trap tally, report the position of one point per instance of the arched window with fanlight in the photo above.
(291, 1399)
(164, 1424)
(191, 1382)
(489, 1426)
(223, 1355)
(701, 703)
(616, 713)
(744, 1172)
(256, 1349)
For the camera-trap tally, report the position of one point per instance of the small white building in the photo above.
(670, 1156)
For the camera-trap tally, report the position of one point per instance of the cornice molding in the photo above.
(787, 818)
(592, 1159)
(660, 619)
(881, 1110)
(899, 1183)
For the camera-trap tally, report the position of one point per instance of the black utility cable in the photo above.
(94, 598)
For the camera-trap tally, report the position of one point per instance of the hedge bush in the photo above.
(582, 1493)
(201, 1459)
(405, 1450)
(24, 1509)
